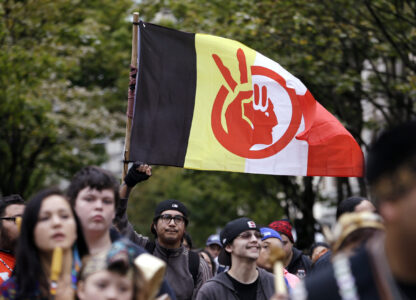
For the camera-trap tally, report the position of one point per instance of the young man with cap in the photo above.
(271, 238)
(11, 207)
(385, 267)
(241, 247)
(186, 272)
(295, 261)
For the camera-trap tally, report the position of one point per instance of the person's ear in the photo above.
(229, 248)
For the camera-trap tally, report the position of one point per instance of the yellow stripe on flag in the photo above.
(204, 151)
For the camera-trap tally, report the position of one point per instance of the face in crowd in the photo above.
(94, 194)
(399, 216)
(106, 285)
(95, 209)
(170, 228)
(56, 225)
(245, 246)
(266, 245)
(287, 245)
(318, 252)
(213, 250)
(8, 227)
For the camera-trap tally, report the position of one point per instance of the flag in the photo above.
(210, 103)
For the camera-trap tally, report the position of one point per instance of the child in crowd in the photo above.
(112, 275)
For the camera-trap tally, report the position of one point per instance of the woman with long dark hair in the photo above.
(48, 223)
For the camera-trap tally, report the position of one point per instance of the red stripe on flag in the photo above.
(332, 149)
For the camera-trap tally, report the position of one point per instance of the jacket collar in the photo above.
(167, 252)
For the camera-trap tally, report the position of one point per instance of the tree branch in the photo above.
(388, 37)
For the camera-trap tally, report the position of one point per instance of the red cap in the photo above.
(283, 227)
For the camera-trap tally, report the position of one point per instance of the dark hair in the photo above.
(9, 200)
(391, 162)
(316, 245)
(95, 178)
(29, 272)
(187, 237)
(348, 205)
(391, 150)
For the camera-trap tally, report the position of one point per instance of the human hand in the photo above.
(138, 172)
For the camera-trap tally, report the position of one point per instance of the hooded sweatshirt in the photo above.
(177, 260)
(221, 287)
(300, 265)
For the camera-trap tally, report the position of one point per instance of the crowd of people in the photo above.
(81, 245)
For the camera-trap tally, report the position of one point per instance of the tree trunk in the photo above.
(305, 228)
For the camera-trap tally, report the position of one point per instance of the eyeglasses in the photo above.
(10, 219)
(247, 235)
(177, 219)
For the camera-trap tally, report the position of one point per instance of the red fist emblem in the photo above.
(250, 116)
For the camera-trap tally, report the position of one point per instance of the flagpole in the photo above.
(133, 64)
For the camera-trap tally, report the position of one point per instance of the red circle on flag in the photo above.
(235, 146)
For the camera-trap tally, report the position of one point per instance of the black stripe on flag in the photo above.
(165, 96)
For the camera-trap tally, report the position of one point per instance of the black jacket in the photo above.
(300, 265)
(364, 275)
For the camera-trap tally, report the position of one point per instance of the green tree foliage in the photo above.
(63, 83)
(64, 68)
(213, 198)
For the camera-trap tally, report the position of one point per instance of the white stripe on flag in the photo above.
(293, 159)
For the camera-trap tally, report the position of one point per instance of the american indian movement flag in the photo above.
(211, 103)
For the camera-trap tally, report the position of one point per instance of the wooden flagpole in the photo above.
(129, 118)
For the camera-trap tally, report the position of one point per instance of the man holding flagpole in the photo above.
(186, 272)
